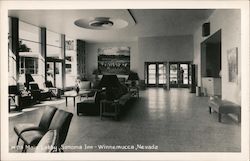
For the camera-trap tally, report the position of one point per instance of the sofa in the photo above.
(91, 105)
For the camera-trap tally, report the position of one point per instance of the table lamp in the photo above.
(110, 83)
(133, 77)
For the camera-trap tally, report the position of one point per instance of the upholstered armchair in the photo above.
(48, 143)
(55, 92)
(37, 93)
(52, 119)
(19, 98)
(90, 105)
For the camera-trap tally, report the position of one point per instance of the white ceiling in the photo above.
(149, 22)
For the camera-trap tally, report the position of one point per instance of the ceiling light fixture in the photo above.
(101, 22)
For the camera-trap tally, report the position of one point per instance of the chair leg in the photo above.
(219, 117)
(24, 148)
(59, 149)
(17, 140)
(239, 118)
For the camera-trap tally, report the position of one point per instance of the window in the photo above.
(28, 65)
(70, 60)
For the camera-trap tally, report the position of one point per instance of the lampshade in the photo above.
(109, 81)
(133, 76)
(28, 78)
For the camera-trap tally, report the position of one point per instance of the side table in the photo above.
(134, 91)
(106, 108)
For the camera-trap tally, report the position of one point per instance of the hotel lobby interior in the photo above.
(124, 80)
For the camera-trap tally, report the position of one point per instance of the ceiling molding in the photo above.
(130, 13)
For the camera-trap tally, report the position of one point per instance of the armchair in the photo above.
(44, 123)
(59, 121)
(18, 98)
(37, 93)
(56, 92)
(13, 93)
(48, 142)
(90, 106)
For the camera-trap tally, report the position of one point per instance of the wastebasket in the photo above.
(198, 91)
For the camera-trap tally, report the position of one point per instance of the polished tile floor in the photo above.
(160, 120)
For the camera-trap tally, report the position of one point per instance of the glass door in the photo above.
(152, 74)
(179, 74)
(58, 74)
(156, 74)
(54, 73)
(162, 74)
(173, 69)
(184, 78)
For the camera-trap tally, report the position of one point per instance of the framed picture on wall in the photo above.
(69, 44)
(114, 60)
(232, 59)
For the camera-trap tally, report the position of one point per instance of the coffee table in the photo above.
(72, 94)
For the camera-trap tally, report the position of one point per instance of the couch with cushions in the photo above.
(92, 106)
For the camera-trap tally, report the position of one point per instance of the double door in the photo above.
(156, 74)
(179, 75)
(176, 74)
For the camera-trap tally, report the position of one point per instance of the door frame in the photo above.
(178, 85)
(54, 61)
(156, 74)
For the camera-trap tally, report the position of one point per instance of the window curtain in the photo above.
(81, 59)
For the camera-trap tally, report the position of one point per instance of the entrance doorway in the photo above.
(179, 74)
(156, 74)
(54, 71)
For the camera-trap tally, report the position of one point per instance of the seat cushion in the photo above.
(19, 128)
(48, 143)
(85, 85)
(224, 106)
(32, 137)
(89, 100)
(124, 98)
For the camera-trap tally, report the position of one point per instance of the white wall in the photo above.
(169, 48)
(147, 49)
(229, 23)
(91, 54)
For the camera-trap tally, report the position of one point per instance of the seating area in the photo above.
(90, 81)
(93, 104)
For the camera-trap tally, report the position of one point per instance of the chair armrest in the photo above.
(35, 128)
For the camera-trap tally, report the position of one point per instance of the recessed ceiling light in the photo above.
(101, 23)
